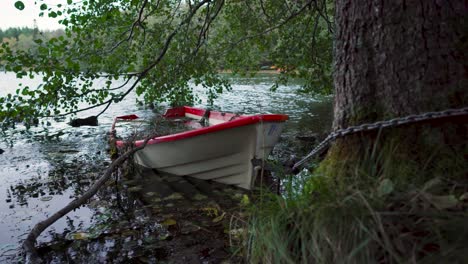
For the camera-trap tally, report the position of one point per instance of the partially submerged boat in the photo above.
(220, 147)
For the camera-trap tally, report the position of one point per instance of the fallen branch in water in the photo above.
(29, 243)
(88, 121)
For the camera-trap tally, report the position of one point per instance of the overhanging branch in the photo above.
(268, 30)
(140, 75)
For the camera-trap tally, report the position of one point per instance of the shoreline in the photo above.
(273, 72)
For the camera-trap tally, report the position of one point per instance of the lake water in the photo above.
(45, 170)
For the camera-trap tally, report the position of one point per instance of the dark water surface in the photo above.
(46, 169)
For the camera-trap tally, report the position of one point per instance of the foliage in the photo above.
(154, 48)
(295, 38)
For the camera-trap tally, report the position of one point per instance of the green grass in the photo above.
(379, 210)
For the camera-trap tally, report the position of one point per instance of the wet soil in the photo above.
(157, 218)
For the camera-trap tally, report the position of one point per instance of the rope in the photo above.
(379, 125)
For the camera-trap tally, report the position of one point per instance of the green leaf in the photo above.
(78, 236)
(43, 7)
(19, 5)
(464, 197)
(219, 218)
(169, 222)
(245, 200)
(46, 198)
(17, 68)
(385, 187)
(442, 201)
(52, 14)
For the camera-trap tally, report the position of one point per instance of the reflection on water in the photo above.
(307, 114)
(40, 177)
(47, 169)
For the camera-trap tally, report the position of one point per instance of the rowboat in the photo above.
(221, 151)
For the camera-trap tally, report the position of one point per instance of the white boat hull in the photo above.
(223, 156)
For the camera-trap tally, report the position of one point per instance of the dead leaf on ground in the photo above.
(169, 222)
(442, 201)
(464, 197)
(219, 218)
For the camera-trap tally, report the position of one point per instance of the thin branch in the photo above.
(98, 90)
(206, 25)
(314, 33)
(140, 14)
(131, 88)
(79, 110)
(136, 23)
(105, 108)
(172, 35)
(264, 10)
(287, 6)
(324, 15)
(173, 15)
(108, 102)
(120, 86)
(145, 71)
(202, 33)
(266, 31)
(151, 12)
(202, 36)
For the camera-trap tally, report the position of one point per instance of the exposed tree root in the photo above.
(29, 244)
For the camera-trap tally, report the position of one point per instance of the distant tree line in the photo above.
(23, 38)
(15, 32)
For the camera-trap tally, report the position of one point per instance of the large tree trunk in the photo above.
(396, 58)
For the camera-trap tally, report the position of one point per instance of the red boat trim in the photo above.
(175, 112)
(232, 121)
(128, 117)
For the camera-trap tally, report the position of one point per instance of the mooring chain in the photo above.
(379, 125)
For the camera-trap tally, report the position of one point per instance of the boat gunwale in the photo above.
(238, 121)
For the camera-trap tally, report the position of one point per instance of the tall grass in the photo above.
(378, 213)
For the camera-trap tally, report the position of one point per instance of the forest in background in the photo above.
(23, 38)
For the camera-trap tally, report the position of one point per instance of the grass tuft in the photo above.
(377, 213)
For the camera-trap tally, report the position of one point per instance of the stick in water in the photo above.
(29, 243)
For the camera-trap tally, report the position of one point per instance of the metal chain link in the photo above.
(379, 125)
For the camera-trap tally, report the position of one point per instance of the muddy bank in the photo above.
(144, 217)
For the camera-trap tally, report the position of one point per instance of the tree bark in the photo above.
(397, 58)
